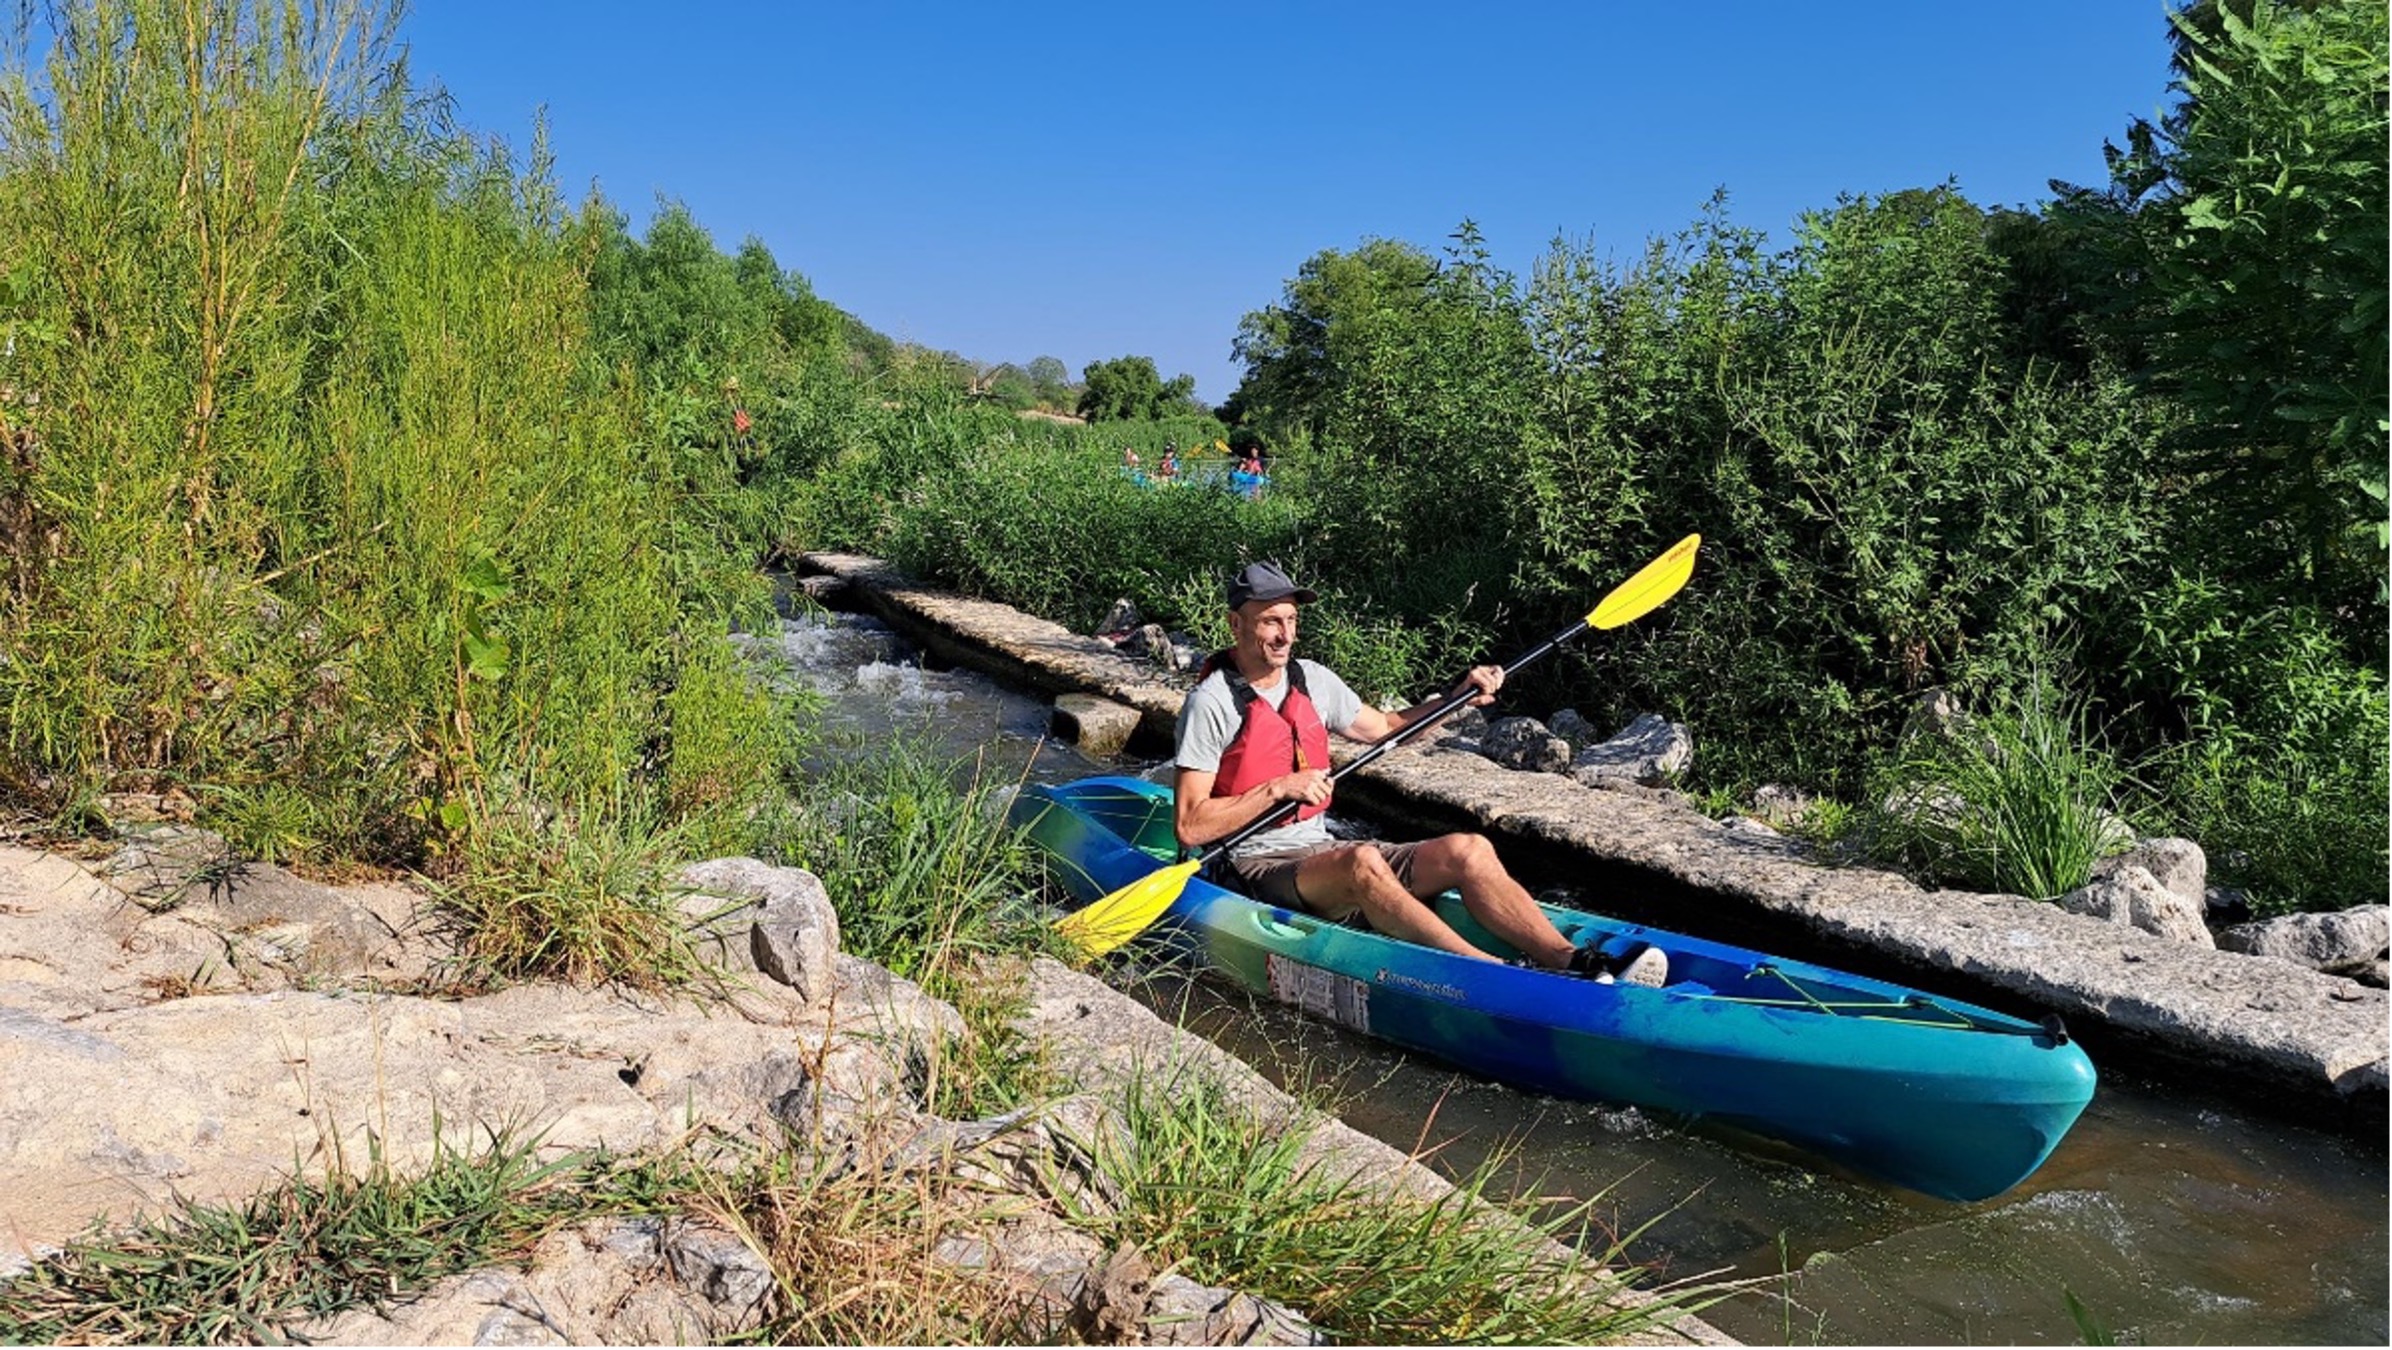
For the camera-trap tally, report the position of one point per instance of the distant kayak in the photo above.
(1943, 1097)
(1247, 485)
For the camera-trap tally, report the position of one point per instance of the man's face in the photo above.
(1265, 634)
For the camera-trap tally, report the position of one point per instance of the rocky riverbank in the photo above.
(2308, 1040)
(177, 1026)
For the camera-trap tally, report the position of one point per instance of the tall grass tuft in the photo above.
(930, 881)
(924, 873)
(1230, 1199)
(250, 1273)
(2021, 799)
(855, 1253)
(583, 901)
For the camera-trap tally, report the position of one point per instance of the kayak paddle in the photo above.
(1099, 927)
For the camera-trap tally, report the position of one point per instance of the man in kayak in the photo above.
(1254, 733)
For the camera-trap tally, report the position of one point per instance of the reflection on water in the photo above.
(2172, 1218)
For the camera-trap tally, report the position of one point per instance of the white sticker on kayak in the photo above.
(1319, 992)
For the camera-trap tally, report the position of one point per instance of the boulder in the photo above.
(1650, 750)
(1098, 726)
(1470, 721)
(826, 591)
(1524, 743)
(1151, 641)
(795, 932)
(1573, 728)
(2228, 905)
(2177, 864)
(2336, 942)
(1933, 713)
(1122, 618)
(2131, 895)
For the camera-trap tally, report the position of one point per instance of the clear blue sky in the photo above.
(1091, 181)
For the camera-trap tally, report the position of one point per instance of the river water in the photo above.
(2170, 1216)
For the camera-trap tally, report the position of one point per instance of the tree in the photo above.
(1291, 349)
(1050, 380)
(1129, 388)
(2269, 255)
(2242, 251)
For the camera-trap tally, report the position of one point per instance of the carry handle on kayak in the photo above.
(1099, 927)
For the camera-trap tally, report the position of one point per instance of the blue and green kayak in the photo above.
(1943, 1097)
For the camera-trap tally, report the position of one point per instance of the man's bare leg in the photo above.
(1340, 880)
(1467, 862)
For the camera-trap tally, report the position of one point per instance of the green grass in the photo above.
(585, 902)
(1230, 1200)
(248, 1273)
(924, 872)
(2021, 799)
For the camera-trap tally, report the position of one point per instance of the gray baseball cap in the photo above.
(1267, 582)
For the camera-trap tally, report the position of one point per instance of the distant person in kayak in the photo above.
(1254, 733)
(1169, 468)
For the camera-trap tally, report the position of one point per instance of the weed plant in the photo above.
(856, 1257)
(250, 1273)
(1230, 1199)
(2022, 799)
(583, 901)
(924, 872)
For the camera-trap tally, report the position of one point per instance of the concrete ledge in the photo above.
(2268, 1025)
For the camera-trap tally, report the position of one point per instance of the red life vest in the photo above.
(1269, 742)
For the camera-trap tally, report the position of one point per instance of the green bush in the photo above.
(328, 497)
(2280, 770)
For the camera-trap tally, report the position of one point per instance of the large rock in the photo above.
(794, 933)
(2177, 864)
(1121, 620)
(602, 1283)
(2341, 941)
(1570, 726)
(1098, 726)
(2131, 895)
(1524, 743)
(119, 1091)
(1650, 751)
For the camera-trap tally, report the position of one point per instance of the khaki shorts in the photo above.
(1271, 877)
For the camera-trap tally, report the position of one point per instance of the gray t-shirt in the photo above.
(1208, 722)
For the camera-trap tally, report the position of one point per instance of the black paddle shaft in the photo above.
(1455, 703)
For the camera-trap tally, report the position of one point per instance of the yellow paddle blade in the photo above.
(1643, 593)
(1100, 927)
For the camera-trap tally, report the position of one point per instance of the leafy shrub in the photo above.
(328, 496)
(2281, 771)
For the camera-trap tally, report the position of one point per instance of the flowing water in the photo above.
(2169, 1216)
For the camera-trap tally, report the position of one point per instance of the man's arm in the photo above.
(1372, 726)
(1201, 818)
